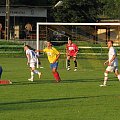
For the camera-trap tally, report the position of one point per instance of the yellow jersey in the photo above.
(51, 53)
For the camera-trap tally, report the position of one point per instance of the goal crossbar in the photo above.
(44, 23)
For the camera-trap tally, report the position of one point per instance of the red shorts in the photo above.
(72, 54)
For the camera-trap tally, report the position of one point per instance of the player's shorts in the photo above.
(72, 55)
(0, 71)
(112, 68)
(32, 64)
(54, 65)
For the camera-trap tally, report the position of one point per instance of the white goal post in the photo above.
(68, 24)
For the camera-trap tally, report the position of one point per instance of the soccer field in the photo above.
(77, 97)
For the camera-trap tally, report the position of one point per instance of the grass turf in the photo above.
(77, 97)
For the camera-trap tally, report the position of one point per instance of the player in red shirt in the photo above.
(71, 51)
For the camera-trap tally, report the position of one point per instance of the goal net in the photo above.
(91, 38)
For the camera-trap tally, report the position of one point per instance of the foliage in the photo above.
(111, 9)
(85, 10)
(77, 11)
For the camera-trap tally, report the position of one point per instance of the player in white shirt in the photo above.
(31, 60)
(112, 63)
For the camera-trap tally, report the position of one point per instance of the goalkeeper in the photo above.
(71, 51)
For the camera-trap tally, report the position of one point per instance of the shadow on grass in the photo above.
(62, 81)
(89, 80)
(41, 100)
(54, 82)
(53, 100)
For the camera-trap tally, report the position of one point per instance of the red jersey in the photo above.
(72, 49)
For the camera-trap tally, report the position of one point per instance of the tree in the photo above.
(111, 9)
(77, 11)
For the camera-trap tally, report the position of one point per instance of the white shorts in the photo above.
(32, 64)
(112, 68)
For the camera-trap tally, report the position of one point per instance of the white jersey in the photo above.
(32, 54)
(111, 53)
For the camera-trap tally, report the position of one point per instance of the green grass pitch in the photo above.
(77, 97)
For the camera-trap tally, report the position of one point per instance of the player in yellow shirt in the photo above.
(53, 56)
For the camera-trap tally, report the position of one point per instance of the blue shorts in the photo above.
(0, 71)
(54, 65)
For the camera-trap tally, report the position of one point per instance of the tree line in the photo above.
(86, 10)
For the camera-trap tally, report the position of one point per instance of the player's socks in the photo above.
(39, 74)
(105, 80)
(56, 76)
(75, 69)
(32, 75)
(68, 68)
(36, 71)
(68, 63)
(118, 77)
(75, 62)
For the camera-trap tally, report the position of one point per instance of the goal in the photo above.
(81, 33)
(97, 27)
